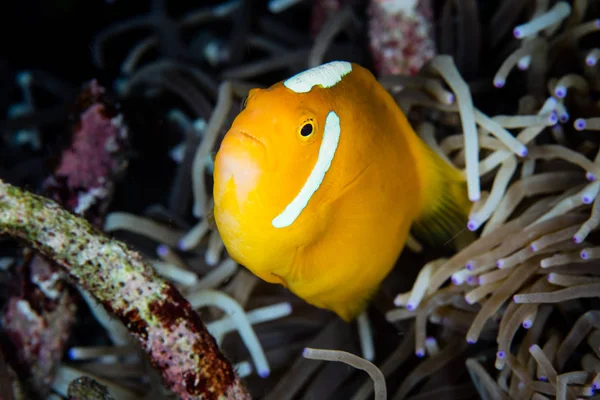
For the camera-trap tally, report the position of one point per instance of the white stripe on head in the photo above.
(329, 144)
(326, 75)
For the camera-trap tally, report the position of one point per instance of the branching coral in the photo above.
(154, 311)
(38, 319)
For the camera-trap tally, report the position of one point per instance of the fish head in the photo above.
(278, 166)
(262, 175)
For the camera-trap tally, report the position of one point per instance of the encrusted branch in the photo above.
(40, 312)
(153, 310)
(88, 389)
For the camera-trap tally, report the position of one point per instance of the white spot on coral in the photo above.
(117, 121)
(86, 200)
(48, 286)
(331, 138)
(111, 145)
(56, 241)
(121, 126)
(325, 75)
(25, 309)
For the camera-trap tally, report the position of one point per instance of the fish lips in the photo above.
(241, 157)
(245, 136)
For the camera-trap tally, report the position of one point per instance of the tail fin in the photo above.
(445, 203)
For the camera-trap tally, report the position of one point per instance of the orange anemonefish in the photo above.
(319, 180)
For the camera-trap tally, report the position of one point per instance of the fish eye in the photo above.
(307, 129)
(244, 102)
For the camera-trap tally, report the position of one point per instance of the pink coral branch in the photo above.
(401, 35)
(38, 323)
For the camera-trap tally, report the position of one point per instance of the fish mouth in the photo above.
(249, 136)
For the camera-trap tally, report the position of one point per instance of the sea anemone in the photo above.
(506, 92)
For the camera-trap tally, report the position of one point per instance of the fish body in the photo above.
(319, 180)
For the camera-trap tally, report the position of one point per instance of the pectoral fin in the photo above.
(210, 218)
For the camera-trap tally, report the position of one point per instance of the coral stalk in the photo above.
(38, 318)
(164, 323)
(87, 388)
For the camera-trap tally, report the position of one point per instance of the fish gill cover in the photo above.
(106, 157)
